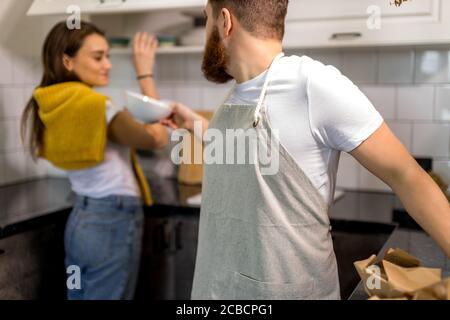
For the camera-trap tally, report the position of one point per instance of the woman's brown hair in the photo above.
(59, 42)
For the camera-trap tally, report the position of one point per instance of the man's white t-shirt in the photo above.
(319, 113)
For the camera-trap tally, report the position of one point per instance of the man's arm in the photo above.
(385, 156)
(185, 118)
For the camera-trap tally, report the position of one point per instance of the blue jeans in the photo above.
(103, 238)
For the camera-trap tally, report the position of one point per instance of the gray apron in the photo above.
(262, 236)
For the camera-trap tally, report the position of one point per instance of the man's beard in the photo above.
(215, 59)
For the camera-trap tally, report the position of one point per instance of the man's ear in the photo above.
(227, 21)
(68, 62)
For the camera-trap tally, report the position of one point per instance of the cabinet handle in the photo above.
(178, 236)
(158, 239)
(111, 3)
(346, 35)
(166, 234)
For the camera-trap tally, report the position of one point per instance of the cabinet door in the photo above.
(313, 10)
(168, 258)
(46, 7)
(32, 265)
(342, 23)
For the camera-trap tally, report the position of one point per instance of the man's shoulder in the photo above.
(306, 67)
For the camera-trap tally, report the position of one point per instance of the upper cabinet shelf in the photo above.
(359, 23)
(51, 7)
(162, 51)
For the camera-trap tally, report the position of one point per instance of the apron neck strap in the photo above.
(264, 89)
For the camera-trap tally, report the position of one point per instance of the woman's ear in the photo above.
(68, 62)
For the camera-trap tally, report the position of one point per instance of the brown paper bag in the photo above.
(192, 174)
(438, 291)
(408, 280)
(401, 276)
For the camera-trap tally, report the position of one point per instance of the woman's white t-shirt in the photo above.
(114, 176)
(319, 113)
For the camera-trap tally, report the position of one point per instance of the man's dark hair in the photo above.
(263, 18)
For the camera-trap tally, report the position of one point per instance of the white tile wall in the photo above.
(3, 136)
(122, 72)
(22, 68)
(348, 172)
(410, 88)
(15, 166)
(403, 131)
(415, 103)
(189, 94)
(166, 91)
(396, 66)
(19, 76)
(443, 169)
(36, 168)
(369, 182)
(12, 102)
(432, 66)
(6, 76)
(383, 98)
(27, 94)
(2, 169)
(36, 71)
(11, 135)
(329, 57)
(171, 68)
(360, 66)
(215, 95)
(431, 139)
(193, 66)
(442, 103)
(412, 92)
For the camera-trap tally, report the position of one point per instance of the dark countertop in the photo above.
(25, 204)
(32, 203)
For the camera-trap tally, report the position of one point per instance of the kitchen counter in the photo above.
(418, 244)
(27, 205)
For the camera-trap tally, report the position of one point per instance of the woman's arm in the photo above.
(123, 129)
(144, 50)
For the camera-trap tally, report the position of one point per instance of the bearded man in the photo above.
(268, 236)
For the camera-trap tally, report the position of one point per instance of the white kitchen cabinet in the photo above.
(49, 7)
(348, 23)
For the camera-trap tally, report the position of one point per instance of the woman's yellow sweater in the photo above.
(75, 133)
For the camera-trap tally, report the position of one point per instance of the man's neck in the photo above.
(252, 57)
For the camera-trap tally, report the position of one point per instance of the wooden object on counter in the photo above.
(192, 174)
(186, 191)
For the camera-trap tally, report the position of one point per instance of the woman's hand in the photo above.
(144, 49)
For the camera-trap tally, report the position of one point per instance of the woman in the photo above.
(90, 137)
